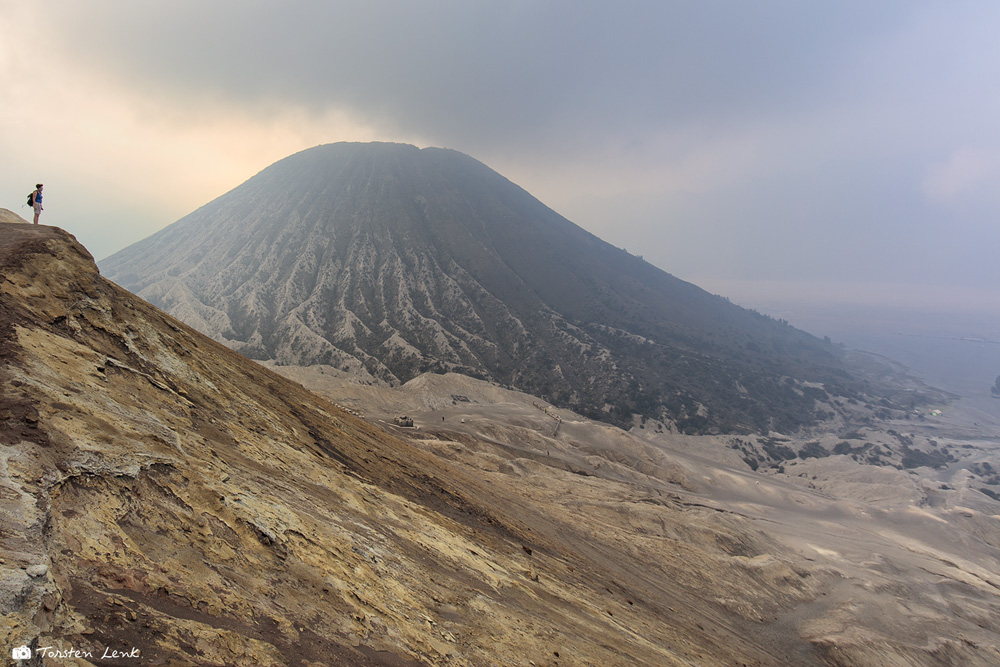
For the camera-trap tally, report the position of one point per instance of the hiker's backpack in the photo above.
(31, 199)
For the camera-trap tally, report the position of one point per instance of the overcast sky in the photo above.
(832, 150)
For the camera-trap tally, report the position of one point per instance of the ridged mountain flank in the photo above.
(167, 501)
(395, 261)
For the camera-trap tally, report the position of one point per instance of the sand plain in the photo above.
(868, 564)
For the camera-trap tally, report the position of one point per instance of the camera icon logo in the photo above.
(21, 653)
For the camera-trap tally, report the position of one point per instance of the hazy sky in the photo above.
(838, 149)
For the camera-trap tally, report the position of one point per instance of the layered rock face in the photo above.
(167, 501)
(389, 261)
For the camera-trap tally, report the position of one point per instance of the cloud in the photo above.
(481, 74)
(774, 140)
(967, 170)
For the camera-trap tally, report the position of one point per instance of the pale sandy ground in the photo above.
(909, 559)
(6, 215)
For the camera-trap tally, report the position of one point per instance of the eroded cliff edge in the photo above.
(164, 495)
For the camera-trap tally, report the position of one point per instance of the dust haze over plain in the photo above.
(779, 153)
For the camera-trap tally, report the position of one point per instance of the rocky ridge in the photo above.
(6, 215)
(165, 495)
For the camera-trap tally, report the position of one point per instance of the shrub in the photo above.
(813, 450)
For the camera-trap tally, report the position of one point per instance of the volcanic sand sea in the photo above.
(905, 556)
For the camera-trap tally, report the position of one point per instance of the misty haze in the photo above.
(500, 333)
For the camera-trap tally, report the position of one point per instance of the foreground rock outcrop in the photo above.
(167, 501)
(165, 494)
(8, 216)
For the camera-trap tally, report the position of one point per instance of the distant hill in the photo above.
(393, 261)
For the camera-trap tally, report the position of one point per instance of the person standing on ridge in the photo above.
(36, 201)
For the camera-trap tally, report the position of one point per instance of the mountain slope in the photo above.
(165, 496)
(395, 261)
(7, 215)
